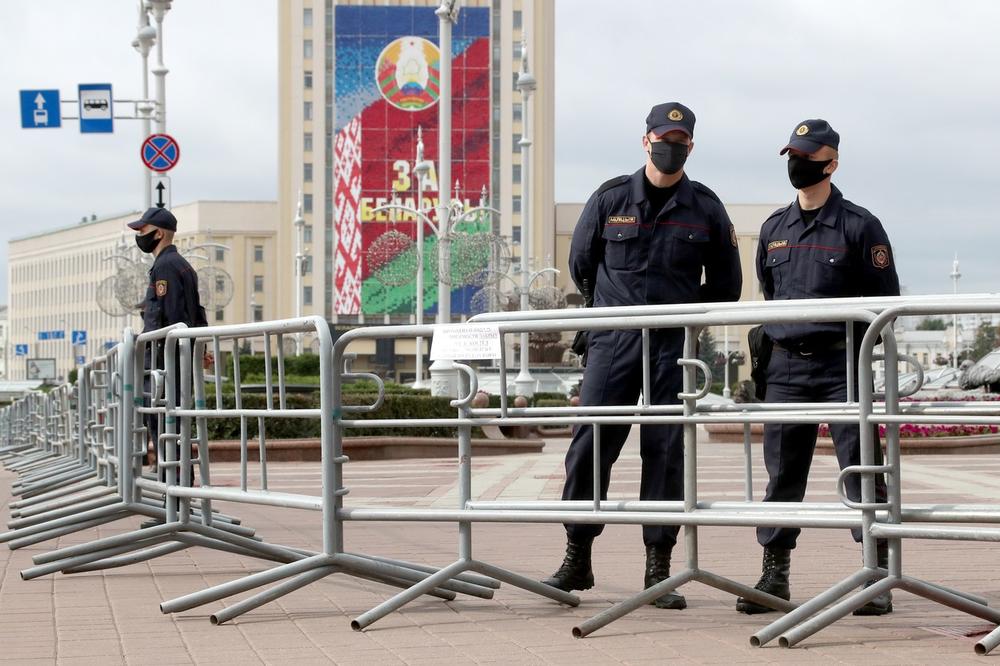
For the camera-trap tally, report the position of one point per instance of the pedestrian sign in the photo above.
(160, 152)
(79, 337)
(96, 113)
(40, 108)
(20, 350)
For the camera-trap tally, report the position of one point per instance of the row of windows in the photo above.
(45, 269)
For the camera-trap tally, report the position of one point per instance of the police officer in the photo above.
(643, 239)
(819, 246)
(172, 294)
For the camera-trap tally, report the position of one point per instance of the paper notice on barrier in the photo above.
(465, 342)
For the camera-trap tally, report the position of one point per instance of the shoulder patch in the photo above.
(161, 288)
(732, 235)
(705, 190)
(614, 182)
(881, 256)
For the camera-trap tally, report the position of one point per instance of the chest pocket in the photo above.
(777, 266)
(830, 276)
(688, 246)
(620, 248)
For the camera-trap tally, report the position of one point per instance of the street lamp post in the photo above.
(955, 275)
(444, 377)
(726, 393)
(421, 168)
(143, 43)
(160, 9)
(526, 84)
(300, 258)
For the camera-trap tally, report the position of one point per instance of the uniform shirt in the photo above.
(625, 253)
(844, 252)
(172, 294)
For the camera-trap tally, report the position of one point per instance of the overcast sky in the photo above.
(911, 85)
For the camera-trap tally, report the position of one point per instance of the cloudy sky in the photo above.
(911, 85)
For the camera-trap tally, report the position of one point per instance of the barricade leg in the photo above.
(988, 642)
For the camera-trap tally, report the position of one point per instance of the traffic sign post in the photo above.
(161, 191)
(160, 152)
(40, 108)
(20, 350)
(96, 108)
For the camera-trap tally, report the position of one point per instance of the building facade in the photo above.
(57, 278)
(357, 79)
(3, 342)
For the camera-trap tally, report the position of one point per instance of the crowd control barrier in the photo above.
(78, 452)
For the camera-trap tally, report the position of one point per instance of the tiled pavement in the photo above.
(113, 617)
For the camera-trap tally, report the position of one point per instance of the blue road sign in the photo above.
(110, 344)
(43, 335)
(20, 350)
(79, 337)
(80, 360)
(96, 112)
(40, 108)
(51, 335)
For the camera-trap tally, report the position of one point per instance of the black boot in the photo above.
(882, 604)
(658, 569)
(773, 580)
(575, 572)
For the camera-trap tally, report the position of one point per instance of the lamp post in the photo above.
(955, 275)
(143, 43)
(726, 393)
(160, 9)
(421, 168)
(525, 384)
(300, 258)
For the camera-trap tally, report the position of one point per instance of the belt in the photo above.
(808, 349)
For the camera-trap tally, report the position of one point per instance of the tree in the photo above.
(986, 340)
(708, 353)
(931, 324)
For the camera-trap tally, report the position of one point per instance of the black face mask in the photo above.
(668, 157)
(804, 172)
(147, 242)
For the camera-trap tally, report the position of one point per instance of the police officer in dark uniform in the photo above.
(172, 294)
(819, 246)
(643, 239)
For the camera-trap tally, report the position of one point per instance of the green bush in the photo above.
(396, 406)
(552, 403)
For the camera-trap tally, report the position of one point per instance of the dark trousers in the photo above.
(788, 448)
(614, 377)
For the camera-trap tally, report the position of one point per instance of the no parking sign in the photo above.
(160, 152)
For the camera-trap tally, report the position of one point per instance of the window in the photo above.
(517, 143)
(307, 79)
(307, 142)
(307, 265)
(307, 172)
(258, 253)
(516, 204)
(307, 17)
(220, 254)
(307, 295)
(515, 235)
(258, 283)
(307, 48)
(516, 173)
(258, 313)
(307, 110)
(307, 203)
(517, 20)
(220, 315)
(307, 233)
(220, 284)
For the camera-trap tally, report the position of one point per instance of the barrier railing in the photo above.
(57, 460)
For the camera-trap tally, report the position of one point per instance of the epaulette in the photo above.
(704, 189)
(780, 211)
(855, 208)
(614, 182)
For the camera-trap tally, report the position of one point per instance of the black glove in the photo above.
(761, 346)
(582, 338)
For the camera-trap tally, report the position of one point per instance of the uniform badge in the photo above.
(622, 219)
(675, 115)
(880, 256)
(777, 245)
(161, 288)
(732, 235)
(802, 130)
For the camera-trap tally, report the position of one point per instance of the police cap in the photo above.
(158, 217)
(663, 118)
(811, 135)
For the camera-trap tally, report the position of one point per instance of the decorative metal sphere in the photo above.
(393, 259)
(547, 297)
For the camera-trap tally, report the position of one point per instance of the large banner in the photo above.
(388, 85)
